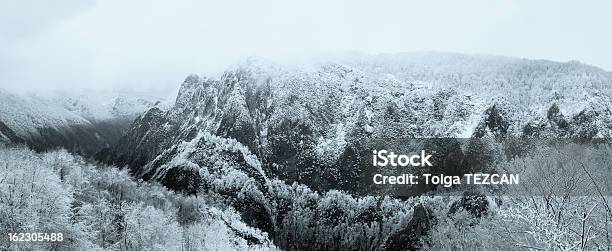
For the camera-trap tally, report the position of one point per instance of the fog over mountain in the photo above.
(200, 125)
(280, 144)
(84, 122)
(150, 44)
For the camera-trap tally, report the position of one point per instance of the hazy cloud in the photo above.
(154, 44)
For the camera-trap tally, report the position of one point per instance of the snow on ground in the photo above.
(26, 114)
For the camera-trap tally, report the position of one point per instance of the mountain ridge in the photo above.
(242, 101)
(306, 126)
(82, 123)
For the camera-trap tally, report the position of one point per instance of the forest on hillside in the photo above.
(268, 156)
(103, 208)
(99, 207)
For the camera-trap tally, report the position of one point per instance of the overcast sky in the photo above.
(154, 44)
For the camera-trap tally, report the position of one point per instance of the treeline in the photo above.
(98, 208)
(297, 217)
(103, 208)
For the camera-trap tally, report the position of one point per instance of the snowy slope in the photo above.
(528, 87)
(247, 133)
(84, 122)
(25, 114)
(317, 113)
(99, 105)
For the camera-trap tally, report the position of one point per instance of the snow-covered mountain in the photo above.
(84, 122)
(279, 112)
(99, 105)
(250, 132)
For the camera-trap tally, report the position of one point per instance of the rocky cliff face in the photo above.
(245, 135)
(303, 125)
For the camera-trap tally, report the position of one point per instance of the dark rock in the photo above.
(185, 180)
(495, 123)
(409, 237)
(533, 129)
(584, 123)
(11, 136)
(479, 155)
(473, 202)
(146, 139)
(556, 117)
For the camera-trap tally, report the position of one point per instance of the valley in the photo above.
(283, 147)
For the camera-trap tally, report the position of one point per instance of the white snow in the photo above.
(26, 114)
